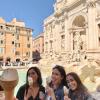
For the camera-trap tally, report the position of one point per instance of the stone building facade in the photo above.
(15, 41)
(72, 32)
(38, 43)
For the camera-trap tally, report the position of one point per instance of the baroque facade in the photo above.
(72, 32)
(15, 41)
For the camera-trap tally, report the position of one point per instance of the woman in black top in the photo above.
(33, 89)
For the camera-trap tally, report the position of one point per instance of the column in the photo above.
(92, 33)
(71, 41)
(67, 34)
(44, 32)
(58, 39)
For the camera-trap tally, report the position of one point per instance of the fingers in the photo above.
(66, 98)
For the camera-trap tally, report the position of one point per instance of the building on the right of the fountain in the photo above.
(72, 32)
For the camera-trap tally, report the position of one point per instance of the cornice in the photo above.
(59, 7)
(58, 13)
(76, 29)
(49, 20)
(91, 3)
(69, 7)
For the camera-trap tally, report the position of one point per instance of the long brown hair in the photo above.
(80, 85)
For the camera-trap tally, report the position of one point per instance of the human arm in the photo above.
(20, 93)
(42, 93)
(89, 97)
(85, 96)
(66, 98)
(50, 93)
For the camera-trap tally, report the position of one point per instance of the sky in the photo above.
(32, 12)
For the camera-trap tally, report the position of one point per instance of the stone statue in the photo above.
(8, 81)
(88, 71)
(78, 41)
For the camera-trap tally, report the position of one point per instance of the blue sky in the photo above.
(32, 12)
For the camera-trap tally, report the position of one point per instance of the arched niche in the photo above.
(79, 21)
(79, 32)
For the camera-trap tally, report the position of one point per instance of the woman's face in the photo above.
(56, 77)
(33, 75)
(72, 84)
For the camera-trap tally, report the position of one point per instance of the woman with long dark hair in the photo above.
(58, 81)
(32, 89)
(77, 91)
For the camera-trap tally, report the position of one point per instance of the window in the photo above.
(12, 34)
(1, 41)
(1, 27)
(8, 28)
(12, 42)
(17, 37)
(63, 42)
(28, 32)
(1, 33)
(27, 53)
(17, 30)
(17, 53)
(51, 35)
(28, 38)
(1, 50)
(99, 33)
(28, 45)
(63, 27)
(99, 41)
(51, 44)
(17, 44)
(46, 48)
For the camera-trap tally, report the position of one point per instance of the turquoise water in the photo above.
(22, 79)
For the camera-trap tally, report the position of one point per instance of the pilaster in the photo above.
(71, 41)
(67, 35)
(92, 33)
(57, 42)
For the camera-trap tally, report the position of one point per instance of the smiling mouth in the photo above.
(72, 87)
(54, 80)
